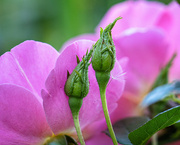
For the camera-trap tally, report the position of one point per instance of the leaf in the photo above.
(123, 127)
(141, 135)
(163, 76)
(161, 93)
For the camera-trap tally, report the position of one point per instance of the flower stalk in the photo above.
(102, 87)
(78, 128)
(76, 88)
(103, 60)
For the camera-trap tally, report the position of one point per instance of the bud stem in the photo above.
(75, 105)
(103, 79)
(78, 129)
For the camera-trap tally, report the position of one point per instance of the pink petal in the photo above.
(35, 60)
(127, 107)
(174, 36)
(116, 83)
(22, 119)
(11, 72)
(175, 12)
(92, 37)
(169, 21)
(147, 51)
(56, 102)
(101, 139)
(135, 14)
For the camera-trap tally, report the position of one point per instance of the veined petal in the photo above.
(12, 73)
(147, 52)
(101, 139)
(134, 14)
(36, 60)
(22, 119)
(54, 100)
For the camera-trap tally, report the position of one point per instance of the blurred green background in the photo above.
(50, 21)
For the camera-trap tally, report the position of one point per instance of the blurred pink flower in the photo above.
(146, 38)
(148, 35)
(33, 103)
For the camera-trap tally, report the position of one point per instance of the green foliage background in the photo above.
(50, 21)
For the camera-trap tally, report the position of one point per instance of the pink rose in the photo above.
(148, 35)
(145, 38)
(33, 103)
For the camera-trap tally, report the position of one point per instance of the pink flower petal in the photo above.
(36, 59)
(22, 119)
(135, 14)
(101, 139)
(92, 37)
(116, 83)
(147, 51)
(11, 72)
(169, 21)
(174, 36)
(56, 102)
(174, 10)
(127, 107)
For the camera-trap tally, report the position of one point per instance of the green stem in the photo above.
(102, 79)
(106, 114)
(75, 105)
(154, 139)
(78, 129)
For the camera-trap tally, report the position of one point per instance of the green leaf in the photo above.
(161, 92)
(141, 135)
(163, 76)
(123, 127)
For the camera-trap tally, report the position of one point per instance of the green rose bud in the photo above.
(103, 60)
(104, 55)
(76, 88)
(77, 84)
